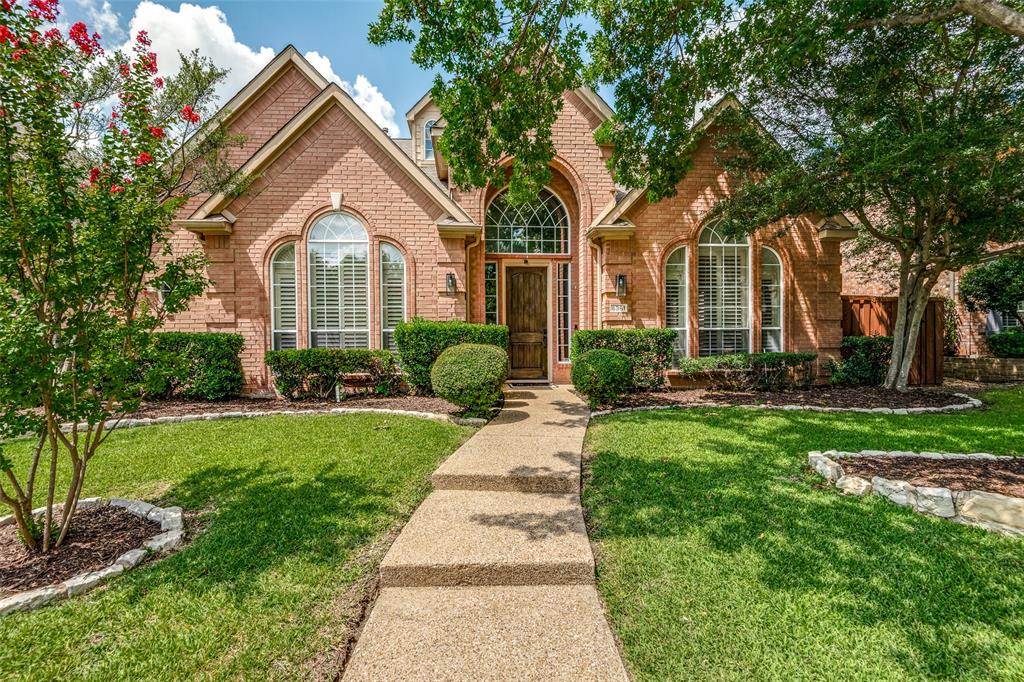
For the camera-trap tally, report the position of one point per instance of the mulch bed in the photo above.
(1004, 476)
(97, 537)
(819, 396)
(177, 408)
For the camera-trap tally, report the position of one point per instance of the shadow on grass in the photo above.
(736, 485)
(259, 518)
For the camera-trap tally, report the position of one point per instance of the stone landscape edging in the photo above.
(171, 534)
(970, 404)
(991, 511)
(239, 414)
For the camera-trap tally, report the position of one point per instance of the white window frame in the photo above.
(275, 285)
(781, 326)
(559, 312)
(527, 254)
(722, 246)
(682, 328)
(311, 249)
(405, 292)
(497, 292)
(428, 143)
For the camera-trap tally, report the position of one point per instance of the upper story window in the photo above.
(339, 298)
(540, 226)
(723, 293)
(428, 144)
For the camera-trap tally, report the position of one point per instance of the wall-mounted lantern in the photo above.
(621, 288)
(449, 283)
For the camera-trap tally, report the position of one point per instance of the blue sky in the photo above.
(245, 34)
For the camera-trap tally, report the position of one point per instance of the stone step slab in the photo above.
(461, 537)
(554, 632)
(513, 463)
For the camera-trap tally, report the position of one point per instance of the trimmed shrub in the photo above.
(603, 375)
(865, 361)
(1008, 344)
(767, 371)
(421, 342)
(471, 376)
(316, 373)
(199, 366)
(651, 350)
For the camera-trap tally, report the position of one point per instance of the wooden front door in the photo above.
(526, 310)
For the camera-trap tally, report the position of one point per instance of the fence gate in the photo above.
(876, 316)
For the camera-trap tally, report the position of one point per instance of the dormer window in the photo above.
(428, 144)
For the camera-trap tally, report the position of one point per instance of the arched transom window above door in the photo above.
(536, 227)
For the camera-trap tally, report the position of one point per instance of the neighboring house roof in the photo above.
(334, 95)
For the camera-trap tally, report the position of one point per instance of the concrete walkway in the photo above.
(493, 577)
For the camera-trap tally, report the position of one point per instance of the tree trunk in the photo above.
(915, 291)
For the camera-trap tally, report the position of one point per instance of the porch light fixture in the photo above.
(621, 288)
(449, 283)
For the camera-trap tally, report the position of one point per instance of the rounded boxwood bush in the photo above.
(602, 375)
(470, 375)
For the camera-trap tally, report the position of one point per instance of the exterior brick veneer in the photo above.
(337, 155)
(994, 370)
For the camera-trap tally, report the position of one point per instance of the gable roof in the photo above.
(333, 95)
(587, 94)
(613, 213)
(259, 83)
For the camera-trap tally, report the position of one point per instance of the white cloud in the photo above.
(192, 27)
(365, 93)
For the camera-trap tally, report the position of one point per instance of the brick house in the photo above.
(346, 231)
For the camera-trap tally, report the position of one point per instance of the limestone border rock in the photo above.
(970, 404)
(171, 520)
(991, 511)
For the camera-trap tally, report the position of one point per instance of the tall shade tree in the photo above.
(997, 285)
(913, 131)
(92, 170)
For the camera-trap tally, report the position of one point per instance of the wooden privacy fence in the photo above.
(876, 316)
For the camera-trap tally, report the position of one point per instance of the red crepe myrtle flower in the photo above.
(52, 35)
(125, 132)
(149, 62)
(47, 9)
(18, 54)
(94, 175)
(113, 114)
(158, 83)
(156, 132)
(77, 105)
(188, 114)
(142, 38)
(79, 34)
(7, 36)
(143, 158)
(35, 38)
(125, 69)
(114, 189)
(8, 4)
(84, 185)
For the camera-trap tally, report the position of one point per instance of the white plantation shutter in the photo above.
(283, 297)
(771, 301)
(676, 300)
(723, 294)
(392, 294)
(339, 298)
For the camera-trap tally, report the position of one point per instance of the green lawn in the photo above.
(721, 557)
(290, 504)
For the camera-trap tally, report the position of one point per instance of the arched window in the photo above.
(392, 293)
(771, 301)
(428, 144)
(723, 293)
(540, 226)
(677, 307)
(339, 301)
(284, 298)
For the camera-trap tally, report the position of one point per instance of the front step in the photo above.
(495, 633)
(460, 537)
(513, 463)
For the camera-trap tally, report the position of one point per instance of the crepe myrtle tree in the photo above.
(92, 170)
(910, 130)
(996, 285)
